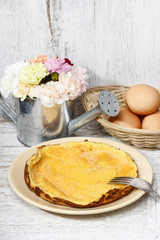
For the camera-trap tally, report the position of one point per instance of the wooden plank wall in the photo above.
(117, 40)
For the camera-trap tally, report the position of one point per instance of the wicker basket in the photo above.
(139, 138)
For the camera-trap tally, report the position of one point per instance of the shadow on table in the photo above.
(125, 210)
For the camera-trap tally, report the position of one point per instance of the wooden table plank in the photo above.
(19, 220)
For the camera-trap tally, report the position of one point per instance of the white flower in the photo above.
(74, 81)
(46, 95)
(32, 92)
(23, 90)
(71, 85)
(22, 79)
(9, 82)
(61, 94)
(81, 76)
(51, 93)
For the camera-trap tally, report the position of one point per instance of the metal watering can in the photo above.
(37, 123)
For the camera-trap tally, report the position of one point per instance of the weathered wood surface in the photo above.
(19, 220)
(118, 41)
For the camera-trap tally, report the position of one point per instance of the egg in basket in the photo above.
(138, 123)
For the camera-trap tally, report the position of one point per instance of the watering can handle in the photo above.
(108, 104)
(7, 109)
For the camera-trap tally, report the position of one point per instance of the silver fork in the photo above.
(135, 182)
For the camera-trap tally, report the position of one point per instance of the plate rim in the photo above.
(80, 211)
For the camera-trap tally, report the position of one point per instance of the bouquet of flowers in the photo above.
(53, 80)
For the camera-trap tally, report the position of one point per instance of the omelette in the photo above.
(76, 174)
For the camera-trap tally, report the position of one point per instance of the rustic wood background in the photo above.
(118, 41)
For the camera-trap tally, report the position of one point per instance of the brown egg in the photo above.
(151, 121)
(126, 119)
(142, 99)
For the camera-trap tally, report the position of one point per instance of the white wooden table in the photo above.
(20, 220)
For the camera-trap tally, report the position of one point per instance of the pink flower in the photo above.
(80, 75)
(38, 59)
(57, 65)
(75, 81)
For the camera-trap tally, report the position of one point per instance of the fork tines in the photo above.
(121, 180)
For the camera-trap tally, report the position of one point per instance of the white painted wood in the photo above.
(118, 41)
(19, 220)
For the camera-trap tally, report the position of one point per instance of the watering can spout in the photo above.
(108, 104)
(8, 110)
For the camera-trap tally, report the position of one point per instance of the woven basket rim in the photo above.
(135, 130)
(112, 125)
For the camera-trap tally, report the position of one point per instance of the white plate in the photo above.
(17, 182)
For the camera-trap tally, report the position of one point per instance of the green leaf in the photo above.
(54, 76)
